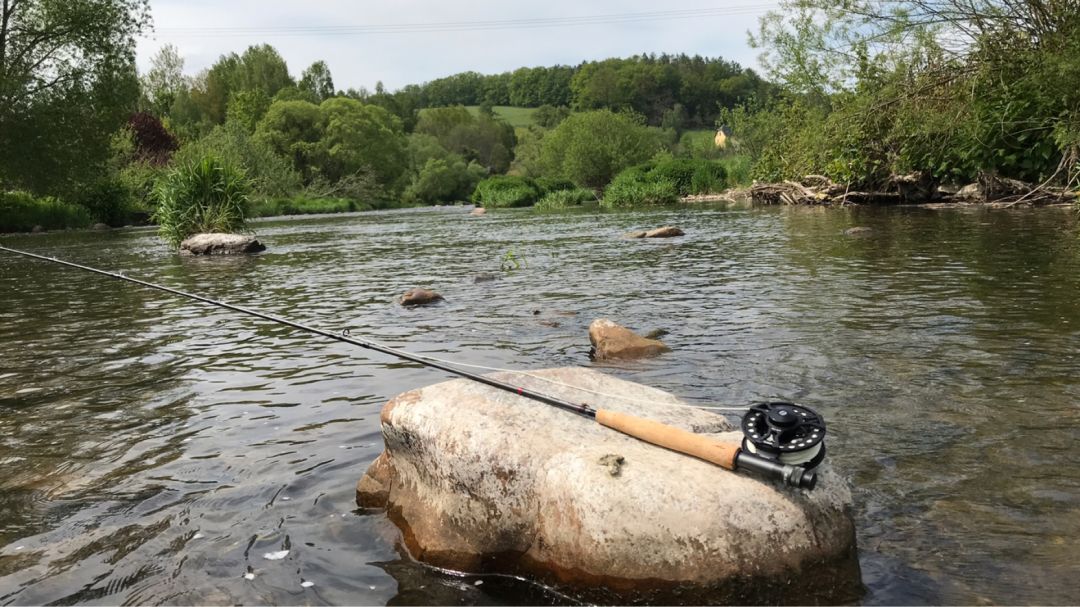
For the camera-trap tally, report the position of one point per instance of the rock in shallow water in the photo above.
(220, 244)
(419, 297)
(610, 340)
(481, 480)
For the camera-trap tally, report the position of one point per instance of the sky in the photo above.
(403, 42)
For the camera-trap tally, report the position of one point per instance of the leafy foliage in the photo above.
(506, 191)
(153, 144)
(67, 83)
(482, 138)
(561, 199)
(206, 195)
(952, 89)
(589, 148)
(634, 188)
(22, 212)
(271, 175)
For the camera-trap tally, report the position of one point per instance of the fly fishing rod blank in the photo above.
(731, 456)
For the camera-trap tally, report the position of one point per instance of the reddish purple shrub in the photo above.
(153, 143)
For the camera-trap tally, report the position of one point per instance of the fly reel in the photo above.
(784, 432)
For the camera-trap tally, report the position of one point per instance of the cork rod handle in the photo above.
(711, 450)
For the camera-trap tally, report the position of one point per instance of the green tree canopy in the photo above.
(67, 83)
(485, 139)
(590, 148)
(317, 81)
(337, 139)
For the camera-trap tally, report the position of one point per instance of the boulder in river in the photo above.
(610, 340)
(483, 481)
(478, 211)
(419, 297)
(101, 227)
(220, 244)
(664, 232)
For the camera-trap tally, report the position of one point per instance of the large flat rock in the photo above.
(483, 480)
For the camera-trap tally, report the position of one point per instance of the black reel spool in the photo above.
(784, 432)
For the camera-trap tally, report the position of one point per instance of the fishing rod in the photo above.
(781, 440)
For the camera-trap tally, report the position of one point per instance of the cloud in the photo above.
(400, 52)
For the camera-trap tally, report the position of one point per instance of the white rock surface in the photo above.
(220, 244)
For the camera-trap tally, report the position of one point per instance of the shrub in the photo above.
(153, 143)
(20, 212)
(506, 191)
(561, 199)
(271, 175)
(443, 180)
(635, 188)
(301, 205)
(207, 195)
(108, 201)
(553, 184)
(590, 148)
(689, 175)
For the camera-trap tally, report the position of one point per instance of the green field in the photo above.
(514, 116)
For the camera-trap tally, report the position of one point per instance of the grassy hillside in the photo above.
(514, 116)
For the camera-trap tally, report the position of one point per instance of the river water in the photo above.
(154, 450)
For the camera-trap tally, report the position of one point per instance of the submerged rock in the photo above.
(483, 481)
(220, 244)
(100, 227)
(664, 232)
(419, 297)
(610, 340)
(485, 277)
(859, 231)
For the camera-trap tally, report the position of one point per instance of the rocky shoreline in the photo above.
(912, 189)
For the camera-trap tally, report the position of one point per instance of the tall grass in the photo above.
(738, 168)
(21, 212)
(506, 191)
(632, 193)
(561, 199)
(203, 195)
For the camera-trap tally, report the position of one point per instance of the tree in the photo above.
(337, 140)
(247, 108)
(485, 139)
(163, 81)
(67, 83)
(359, 137)
(950, 87)
(316, 80)
(293, 130)
(589, 148)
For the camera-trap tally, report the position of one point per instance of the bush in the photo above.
(108, 201)
(20, 212)
(589, 148)
(443, 180)
(689, 175)
(506, 191)
(271, 175)
(561, 199)
(548, 185)
(635, 187)
(208, 195)
(301, 205)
